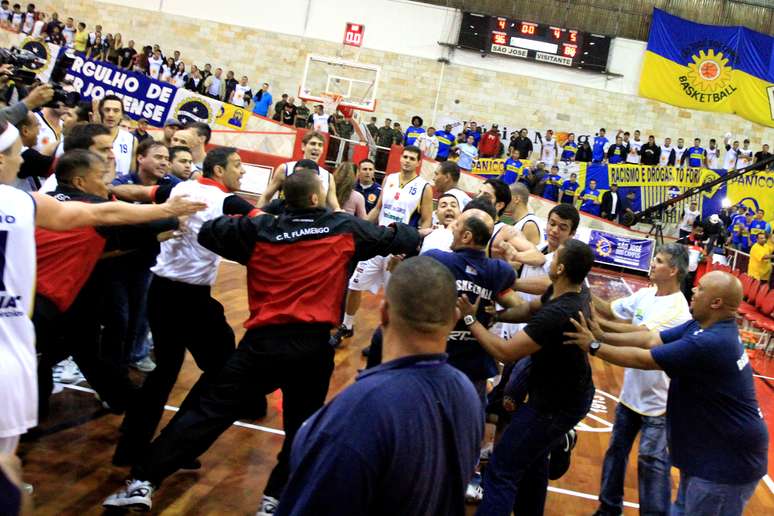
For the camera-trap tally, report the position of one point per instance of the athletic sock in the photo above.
(349, 320)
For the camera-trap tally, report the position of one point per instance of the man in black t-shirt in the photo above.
(560, 386)
(761, 155)
(126, 55)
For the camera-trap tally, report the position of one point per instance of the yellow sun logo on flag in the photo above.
(709, 72)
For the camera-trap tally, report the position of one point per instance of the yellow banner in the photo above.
(731, 91)
(232, 117)
(754, 191)
(644, 175)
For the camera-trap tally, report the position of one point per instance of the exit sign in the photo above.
(353, 35)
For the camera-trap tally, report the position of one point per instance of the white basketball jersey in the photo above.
(679, 155)
(665, 153)
(401, 203)
(495, 230)
(123, 148)
(729, 159)
(713, 158)
(324, 178)
(745, 157)
(183, 258)
(18, 361)
(531, 217)
(548, 153)
(46, 133)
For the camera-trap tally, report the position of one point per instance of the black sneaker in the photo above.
(341, 334)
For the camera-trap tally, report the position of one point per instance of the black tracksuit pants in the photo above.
(181, 316)
(77, 333)
(295, 358)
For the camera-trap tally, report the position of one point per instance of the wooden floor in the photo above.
(69, 466)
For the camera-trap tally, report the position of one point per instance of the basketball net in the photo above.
(332, 103)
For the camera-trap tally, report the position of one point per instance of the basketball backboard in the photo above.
(356, 82)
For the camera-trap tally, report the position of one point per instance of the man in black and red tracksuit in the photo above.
(298, 264)
(67, 289)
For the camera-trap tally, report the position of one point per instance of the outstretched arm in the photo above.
(62, 216)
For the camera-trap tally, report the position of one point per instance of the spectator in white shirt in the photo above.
(428, 143)
(154, 64)
(242, 93)
(642, 408)
(319, 119)
(634, 149)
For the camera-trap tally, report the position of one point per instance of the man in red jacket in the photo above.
(298, 264)
(489, 146)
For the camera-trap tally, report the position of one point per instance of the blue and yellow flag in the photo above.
(708, 67)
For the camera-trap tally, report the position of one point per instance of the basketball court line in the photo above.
(628, 288)
(260, 428)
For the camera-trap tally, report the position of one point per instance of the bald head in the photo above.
(724, 286)
(473, 229)
(421, 298)
(716, 298)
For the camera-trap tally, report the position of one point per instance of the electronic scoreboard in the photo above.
(534, 41)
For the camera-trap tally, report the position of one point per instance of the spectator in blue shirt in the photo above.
(570, 189)
(514, 168)
(599, 147)
(262, 100)
(569, 148)
(366, 185)
(590, 199)
(468, 153)
(414, 130)
(696, 155)
(716, 433)
(758, 225)
(404, 439)
(474, 131)
(617, 152)
(445, 143)
(553, 180)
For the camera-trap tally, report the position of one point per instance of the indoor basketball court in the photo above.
(69, 463)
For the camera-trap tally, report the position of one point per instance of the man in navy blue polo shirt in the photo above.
(716, 433)
(152, 166)
(403, 439)
(481, 279)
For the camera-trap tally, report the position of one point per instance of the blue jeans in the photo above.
(517, 476)
(699, 497)
(653, 464)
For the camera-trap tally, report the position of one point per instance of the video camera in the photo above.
(24, 61)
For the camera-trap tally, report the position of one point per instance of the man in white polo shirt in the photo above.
(642, 408)
(182, 279)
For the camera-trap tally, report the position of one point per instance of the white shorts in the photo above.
(370, 275)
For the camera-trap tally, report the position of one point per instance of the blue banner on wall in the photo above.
(143, 97)
(621, 251)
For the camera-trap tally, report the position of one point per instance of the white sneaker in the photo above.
(146, 365)
(474, 493)
(137, 495)
(268, 506)
(69, 372)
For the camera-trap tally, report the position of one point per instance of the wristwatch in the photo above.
(594, 347)
(469, 320)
